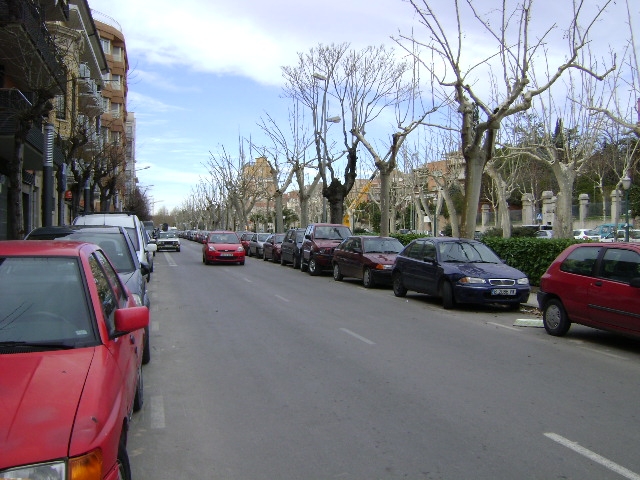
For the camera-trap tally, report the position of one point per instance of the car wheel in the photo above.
(282, 262)
(124, 467)
(367, 278)
(313, 267)
(295, 263)
(303, 266)
(177, 249)
(146, 353)
(398, 287)
(555, 319)
(337, 276)
(138, 401)
(204, 260)
(264, 257)
(447, 296)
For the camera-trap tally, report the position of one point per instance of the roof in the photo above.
(49, 248)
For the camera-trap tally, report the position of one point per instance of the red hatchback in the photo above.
(593, 284)
(71, 341)
(222, 247)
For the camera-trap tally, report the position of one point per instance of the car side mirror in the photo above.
(308, 237)
(131, 319)
(151, 247)
(145, 269)
(429, 259)
(357, 250)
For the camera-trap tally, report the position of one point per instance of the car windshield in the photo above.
(167, 235)
(332, 233)
(223, 238)
(467, 252)
(278, 238)
(262, 237)
(43, 303)
(382, 245)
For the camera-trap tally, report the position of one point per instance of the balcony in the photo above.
(90, 100)
(27, 49)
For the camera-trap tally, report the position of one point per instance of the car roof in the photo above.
(64, 230)
(55, 248)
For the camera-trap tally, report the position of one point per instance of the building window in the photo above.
(116, 81)
(117, 53)
(60, 104)
(116, 110)
(106, 45)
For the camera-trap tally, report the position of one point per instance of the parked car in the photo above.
(244, 239)
(585, 234)
(607, 230)
(222, 247)
(256, 244)
(71, 344)
(117, 245)
(544, 234)
(368, 258)
(458, 270)
(168, 241)
(593, 284)
(271, 247)
(291, 248)
(134, 227)
(320, 239)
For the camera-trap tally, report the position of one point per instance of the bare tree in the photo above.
(509, 27)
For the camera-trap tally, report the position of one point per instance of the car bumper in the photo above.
(484, 295)
(218, 257)
(168, 246)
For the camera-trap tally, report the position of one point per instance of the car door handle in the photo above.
(132, 339)
(598, 283)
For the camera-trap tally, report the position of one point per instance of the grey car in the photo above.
(117, 245)
(291, 248)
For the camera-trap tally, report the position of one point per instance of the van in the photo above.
(132, 225)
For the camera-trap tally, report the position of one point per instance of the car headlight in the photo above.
(240, 249)
(53, 470)
(473, 280)
(212, 248)
(84, 467)
(523, 281)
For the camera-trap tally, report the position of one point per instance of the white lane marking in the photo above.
(576, 447)
(170, 260)
(359, 337)
(157, 411)
(528, 322)
(503, 326)
(282, 298)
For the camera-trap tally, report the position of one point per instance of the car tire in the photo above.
(337, 276)
(295, 262)
(313, 267)
(448, 300)
(177, 249)
(146, 352)
(555, 319)
(138, 400)
(399, 289)
(367, 278)
(124, 467)
(282, 262)
(204, 260)
(264, 257)
(303, 266)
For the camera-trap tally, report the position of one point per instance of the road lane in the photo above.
(256, 387)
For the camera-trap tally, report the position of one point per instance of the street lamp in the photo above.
(626, 185)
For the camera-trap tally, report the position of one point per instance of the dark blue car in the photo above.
(458, 270)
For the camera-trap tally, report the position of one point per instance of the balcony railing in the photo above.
(26, 15)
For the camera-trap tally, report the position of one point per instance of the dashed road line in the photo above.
(359, 337)
(157, 412)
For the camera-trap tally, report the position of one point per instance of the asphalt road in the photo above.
(263, 372)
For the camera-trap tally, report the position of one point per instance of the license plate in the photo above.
(503, 291)
(226, 254)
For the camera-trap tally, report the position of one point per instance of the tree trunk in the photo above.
(15, 220)
(474, 166)
(335, 194)
(385, 184)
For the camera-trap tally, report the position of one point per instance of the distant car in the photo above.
(271, 247)
(117, 245)
(367, 258)
(458, 270)
(593, 284)
(585, 234)
(291, 248)
(320, 239)
(244, 239)
(544, 234)
(71, 347)
(222, 247)
(168, 241)
(256, 244)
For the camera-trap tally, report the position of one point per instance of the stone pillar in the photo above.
(486, 211)
(616, 206)
(548, 208)
(528, 210)
(583, 198)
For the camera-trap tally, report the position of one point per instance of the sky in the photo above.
(202, 73)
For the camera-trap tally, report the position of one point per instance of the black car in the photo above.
(117, 245)
(458, 270)
(291, 248)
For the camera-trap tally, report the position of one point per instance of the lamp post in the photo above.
(626, 185)
(324, 121)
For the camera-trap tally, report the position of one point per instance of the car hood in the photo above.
(224, 246)
(325, 243)
(382, 258)
(40, 395)
(486, 270)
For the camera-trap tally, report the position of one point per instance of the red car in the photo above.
(272, 247)
(593, 284)
(222, 247)
(71, 341)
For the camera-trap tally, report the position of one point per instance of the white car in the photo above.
(168, 241)
(586, 234)
(544, 234)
